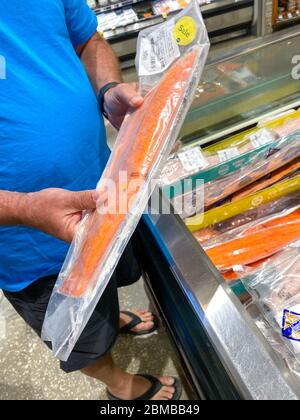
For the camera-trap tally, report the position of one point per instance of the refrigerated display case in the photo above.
(217, 329)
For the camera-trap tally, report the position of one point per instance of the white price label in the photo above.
(158, 51)
(193, 159)
(227, 154)
(261, 138)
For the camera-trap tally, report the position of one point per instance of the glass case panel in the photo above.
(243, 88)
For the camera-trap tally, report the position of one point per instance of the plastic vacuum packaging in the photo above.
(195, 160)
(230, 210)
(286, 150)
(249, 246)
(170, 60)
(275, 340)
(275, 288)
(211, 235)
(189, 162)
(257, 242)
(287, 171)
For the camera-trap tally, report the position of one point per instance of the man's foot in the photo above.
(147, 321)
(135, 386)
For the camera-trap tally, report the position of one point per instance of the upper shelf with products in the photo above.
(115, 14)
(285, 12)
(103, 6)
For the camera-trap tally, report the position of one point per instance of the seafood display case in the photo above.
(226, 284)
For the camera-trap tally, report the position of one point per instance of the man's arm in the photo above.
(100, 62)
(12, 206)
(54, 211)
(103, 67)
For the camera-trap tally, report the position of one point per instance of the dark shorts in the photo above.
(102, 329)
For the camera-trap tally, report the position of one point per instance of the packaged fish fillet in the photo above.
(260, 240)
(268, 160)
(212, 235)
(196, 161)
(230, 210)
(275, 287)
(286, 150)
(275, 340)
(287, 171)
(170, 60)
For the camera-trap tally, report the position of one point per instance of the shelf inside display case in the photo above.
(237, 92)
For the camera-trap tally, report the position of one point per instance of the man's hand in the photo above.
(121, 99)
(56, 211)
(102, 67)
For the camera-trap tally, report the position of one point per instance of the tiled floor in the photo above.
(28, 371)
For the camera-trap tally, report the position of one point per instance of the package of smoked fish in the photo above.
(220, 232)
(253, 243)
(285, 151)
(170, 59)
(275, 288)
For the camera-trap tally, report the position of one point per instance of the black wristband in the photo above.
(101, 94)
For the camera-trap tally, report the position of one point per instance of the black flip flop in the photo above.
(156, 386)
(136, 320)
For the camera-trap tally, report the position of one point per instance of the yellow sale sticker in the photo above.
(185, 30)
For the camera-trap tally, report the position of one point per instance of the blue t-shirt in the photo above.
(51, 132)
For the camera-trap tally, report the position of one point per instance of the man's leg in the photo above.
(124, 385)
(95, 341)
(127, 273)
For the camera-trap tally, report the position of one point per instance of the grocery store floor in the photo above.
(28, 371)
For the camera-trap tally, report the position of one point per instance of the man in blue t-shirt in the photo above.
(54, 67)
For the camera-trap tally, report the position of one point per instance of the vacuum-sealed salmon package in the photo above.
(170, 59)
(218, 232)
(227, 211)
(255, 242)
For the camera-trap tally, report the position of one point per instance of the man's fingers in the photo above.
(136, 101)
(101, 198)
(128, 94)
(84, 200)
